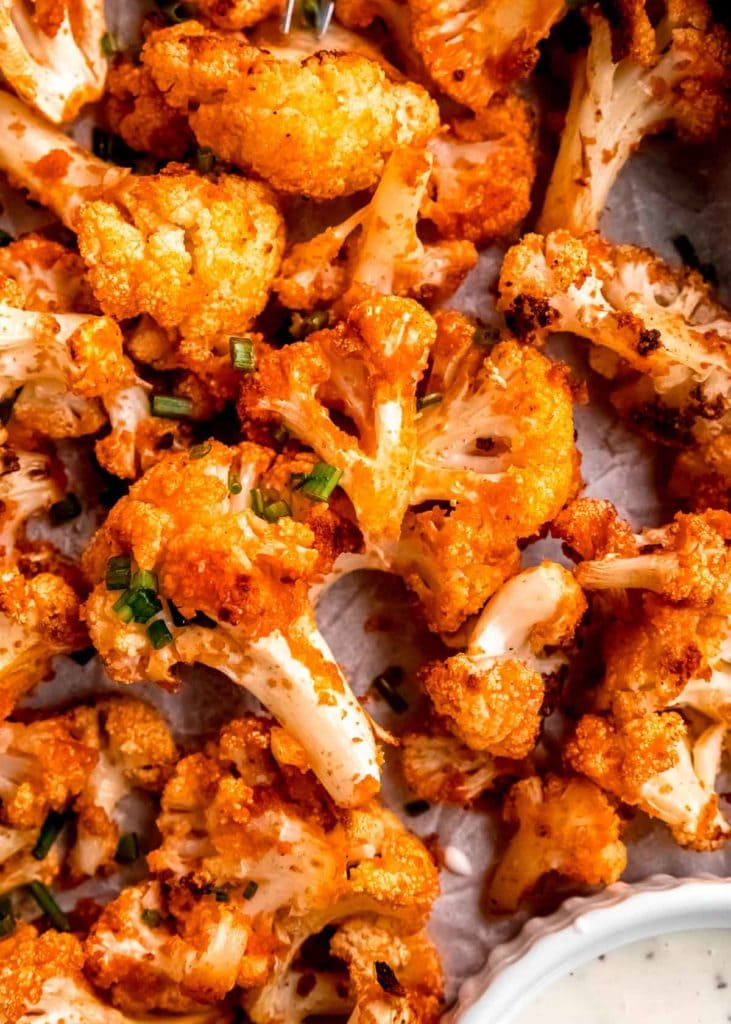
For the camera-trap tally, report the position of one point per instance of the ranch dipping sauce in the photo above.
(684, 978)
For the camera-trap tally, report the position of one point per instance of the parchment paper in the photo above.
(664, 191)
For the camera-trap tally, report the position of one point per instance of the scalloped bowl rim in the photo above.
(547, 948)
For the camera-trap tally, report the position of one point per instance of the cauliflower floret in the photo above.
(51, 277)
(675, 73)
(137, 439)
(41, 982)
(40, 618)
(51, 54)
(190, 521)
(322, 127)
(475, 48)
(197, 254)
(491, 696)
(483, 173)
(440, 769)
(236, 14)
(566, 826)
(28, 486)
(377, 248)
(654, 764)
(245, 826)
(65, 365)
(592, 528)
(659, 333)
(701, 475)
(367, 369)
(135, 109)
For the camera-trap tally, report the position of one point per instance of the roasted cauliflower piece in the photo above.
(136, 111)
(483, 172)
(322, 127)
(640, 78)
(51, 54)
(197, 254)
(441, 769)
(565, 826)
(653, 763)
(42, 980)
(377, 249)
(659, 334)
(198, 535)
(367, 369)
(475, 48)
(29, 485)
(491, 696)
(51, 277)
(254, 859)
(701, 476)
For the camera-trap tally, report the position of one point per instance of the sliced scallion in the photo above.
(275, 510)
(321, 481)
(258, 502)
(50, 831)
(144, 579)
(242, 354)
(159, 634)
(45, 900)
(251, 890)
(152, 918)
(199, 451)
(144, 604)
(118, 572)
(109, 45)
(234, 483)
(171, 407)
(121, 607)
(205, 160)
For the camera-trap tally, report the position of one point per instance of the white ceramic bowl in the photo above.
(549, 947)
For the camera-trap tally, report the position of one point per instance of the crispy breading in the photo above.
(441, 769)
(135, 109)
(236, 14)
(701, 475)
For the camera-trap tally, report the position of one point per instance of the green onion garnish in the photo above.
(205, 160)
(416, 807)
(250, 890)
(170, 406)
(128, 848)
(199, 451)
(152, 918)
(242, 354)
(44, 898)
(174, 12)
(7, 919)
(121, 607)
(50, 831)
(385, 685)
(234, 483)
(159, 634)
(276, 510)
(321, 481)
(109, 45)
(144, 604)
(5, 238)
(143, 579)
(65, 510)
(258, 502)
(485, 335)
(281, 434)
(433, 398)
(118, 572)
(302, 324)
(222, 895)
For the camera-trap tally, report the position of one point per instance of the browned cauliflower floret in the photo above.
(564, 826)
(255, 858)
(701, 475)
(29, 484)
(236, 14)
(440, 769)
(491, 696)
(378, 248)
(653, 763)
(592, 528)
(51, 277)
(475, 48)
(41, 980)
(322, 127)
(51, 54)
(135, 109)
(642, 77)
(483, 173)
(200, 534)
(659, 334)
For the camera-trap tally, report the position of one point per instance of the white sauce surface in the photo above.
(673, 979)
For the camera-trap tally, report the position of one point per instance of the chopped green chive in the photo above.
(416, 807)
(7, 918)
(485, 335)
(234, 483)
(385, 685)
(251, 890)
(109, 45)
(5, 238)
(174, 12)
(199, 451)
(222, 895)
(152, 918)
(302, 324)
(144, 604)
(170, 406)
(242, 354)
(118, 572)
(276, 510)
(144, 579)
(281, 434)
(321, 481)
(433, 398)
(205, 160)
(65, 510)
(50, 831)
(121, 607)
(257, 501)
(159, 634)
(128, 848)
(44, 898)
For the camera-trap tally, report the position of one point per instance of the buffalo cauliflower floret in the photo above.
(475, 48)
(254, 852)
(701, 476)
(42, 981)
(659, 335)
(564, 826)
(40, 618)
(491, 696)
(592, 528)
(673, 73)
(51, 277)
(653, 763)
(135, 109)
(51, 54)
(236, 14)
(366, 368)
(482, 174)
(322, 127)
(136, 439)
(219, 546)
(377, 249)
(28, 486)
(441, 769)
